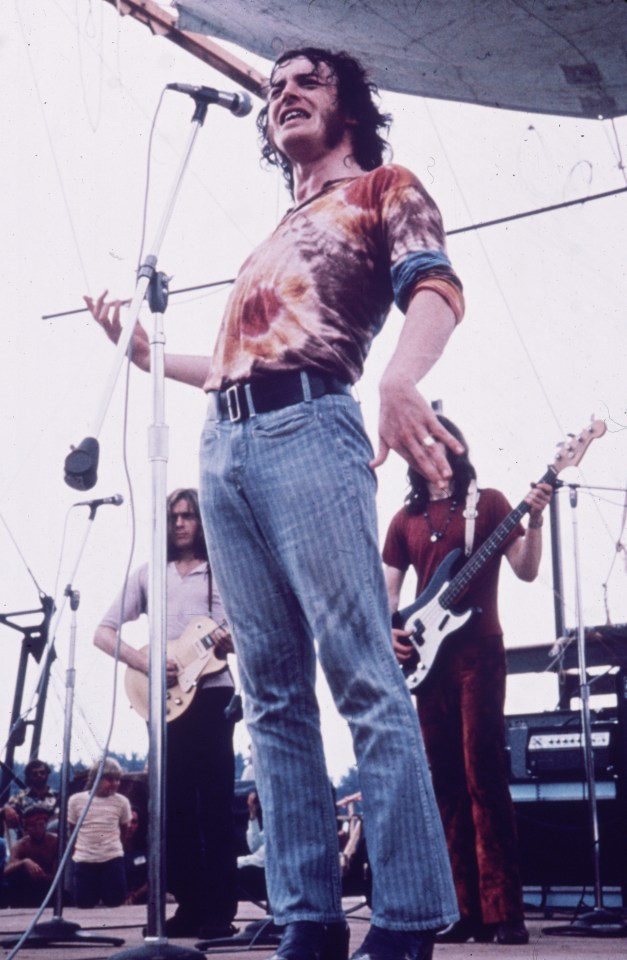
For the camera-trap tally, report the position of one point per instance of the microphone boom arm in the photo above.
(81, 462)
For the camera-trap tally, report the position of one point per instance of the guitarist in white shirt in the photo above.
(461, 703)
(200, 848)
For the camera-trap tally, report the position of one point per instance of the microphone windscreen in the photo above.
(81, 465)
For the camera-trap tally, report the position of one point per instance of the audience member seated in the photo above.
(251, 877)
(36, 793)
(98, 857)
(254, 835)
(33, 860)
(250, 866)
(135, 861)
(354, 868)
(3, 860)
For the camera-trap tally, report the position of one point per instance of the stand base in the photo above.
(157, 950)
(60, 931)
(595, 923)
(256, 934)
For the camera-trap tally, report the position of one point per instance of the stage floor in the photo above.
(127, 922)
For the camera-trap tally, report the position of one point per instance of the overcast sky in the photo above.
(542, 347)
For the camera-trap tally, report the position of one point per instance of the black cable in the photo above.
(533, 213)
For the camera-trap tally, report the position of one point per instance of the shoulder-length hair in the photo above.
(109, 765)
(463, 472)
(356, 100)
(191, 495)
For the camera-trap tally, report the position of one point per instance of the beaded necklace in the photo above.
(439, 534)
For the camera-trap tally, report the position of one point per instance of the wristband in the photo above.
(535, 524)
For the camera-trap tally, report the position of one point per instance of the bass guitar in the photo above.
(430, 618)
(195, 655)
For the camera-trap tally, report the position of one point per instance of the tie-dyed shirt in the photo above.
(315, 293)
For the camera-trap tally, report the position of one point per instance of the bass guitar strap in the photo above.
(470, 515)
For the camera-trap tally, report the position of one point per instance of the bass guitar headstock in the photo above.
(571, 451)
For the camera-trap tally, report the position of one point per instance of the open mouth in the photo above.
(293, 114)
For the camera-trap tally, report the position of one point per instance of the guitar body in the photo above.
(430, 622)
(194, 653)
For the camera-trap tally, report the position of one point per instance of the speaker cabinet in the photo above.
(555, 836)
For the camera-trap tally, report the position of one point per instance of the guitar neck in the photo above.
(488, 549)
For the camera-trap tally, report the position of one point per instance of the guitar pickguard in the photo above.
(431, 624)
(195, 656)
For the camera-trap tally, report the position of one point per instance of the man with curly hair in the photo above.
(288, 501)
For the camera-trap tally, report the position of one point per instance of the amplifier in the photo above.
(549, 746)
(555, 753)
(550, 795)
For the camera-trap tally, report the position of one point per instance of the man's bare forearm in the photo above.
(105, 639)
(186, 368)
(405, 417)
(428, 325)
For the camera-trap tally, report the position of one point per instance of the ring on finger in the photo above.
(428, 441)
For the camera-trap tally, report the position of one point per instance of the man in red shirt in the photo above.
(461, 702)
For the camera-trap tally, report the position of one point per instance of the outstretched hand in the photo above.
(408, 425)
(107, 316)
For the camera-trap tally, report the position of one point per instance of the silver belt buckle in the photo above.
(232, 403)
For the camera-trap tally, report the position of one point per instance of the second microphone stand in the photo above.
(597, 922)
(57, 930)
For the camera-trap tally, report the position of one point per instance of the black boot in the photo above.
(383, 944)
(306, 940)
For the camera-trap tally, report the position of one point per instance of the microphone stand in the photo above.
(598, 922)
(57, 930)
(156, 945)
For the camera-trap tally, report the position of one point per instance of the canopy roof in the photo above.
(566, 57)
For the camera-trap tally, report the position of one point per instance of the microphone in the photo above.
(115, 501)
(239, 103)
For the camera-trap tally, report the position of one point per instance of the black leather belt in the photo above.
(263, 394)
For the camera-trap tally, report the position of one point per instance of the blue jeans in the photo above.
(288, 504)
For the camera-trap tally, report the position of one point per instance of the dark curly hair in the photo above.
(463, 472)
(356, 100)
(191, 496)
(34, 764)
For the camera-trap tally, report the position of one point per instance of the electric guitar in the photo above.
(430, 618)
(195, 656)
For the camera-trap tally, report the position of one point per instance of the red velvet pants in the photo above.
(461, 709)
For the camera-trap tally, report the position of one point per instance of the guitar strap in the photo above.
(210, 588)
(470, 515)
